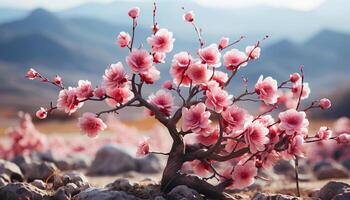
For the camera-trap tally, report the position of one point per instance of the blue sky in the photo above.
(301, 5)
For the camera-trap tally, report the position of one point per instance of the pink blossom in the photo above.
(119, 96)
(294, 77)
(297, 89)
(159, 57)
(150, 76)
(57, 80)
(210, 139)
(163, 100)
(236, 118)
(232, 145)
(162, 41)
(325, 103)
(266, 120)
(179, 65)
(217, 99)
(244, 174)
(267, 89)
(139, 60)
(32, 74)
(115, 76)
(274, 133)
(210, 55)
(198, 73)
(234, 59)
(200, 168)
(143, 148)
(68, 100)
(188, 16)
(220, 77)
(123, 39)
(90, 124)
(196, 118)
(99, 92)
(134, 12)
(296, 146)
(293, 121)
(223, 43)
(182, 59)
(41, 113)
(253, 52)
(167, 85)
(270, 158)
(343, 138)
(324, 133)
(256, 137)
(84, 90)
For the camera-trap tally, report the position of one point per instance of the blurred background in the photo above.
(77, 40)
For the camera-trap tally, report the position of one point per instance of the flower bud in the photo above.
(189, 16)
(41, 113)
(167, 85)
(134, 12)
(32, 74)
(223, 43)
(57, 80)
(325, 103)
(294, 77)
(343, 138)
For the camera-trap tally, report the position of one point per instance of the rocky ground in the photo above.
(115, 174)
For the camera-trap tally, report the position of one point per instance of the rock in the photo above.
(71, 189)
(11, 169)
(39, 184)
(330, 169)
(120, 184)
(159, 198)
(34, 169)
(3, 182)
(70, 162)
(21, 191)
(148, 164)
(342, 196)
(183, 192)
(333, 189)
(60, 194)
(346, 163)
(284, 167)
(102, 194)
(261, 196)
(75, 177)
(111, 160)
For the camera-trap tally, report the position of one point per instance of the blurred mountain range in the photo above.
(80, 43)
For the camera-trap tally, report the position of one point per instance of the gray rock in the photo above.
(103, 194)
(159, 198)
(111, 160)
(284, 167)
(3, 182)
(75, 177)
(121, 185)
(342, 196)
(69, 162)
(11, 170)
(332, 189)
(346, 163)
(183, 192)
(21, 191)
(261, 196)
(60, 194)
(328, 170)
(35, 169)
(39, 184)
(148, 164)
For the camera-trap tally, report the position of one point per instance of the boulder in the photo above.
(330, 169)
(111, 160)
(261, 196)
(284, 167)
(182, 192)
(39, 184)
(21, 191)
(346, 163)
(148, 164)
(333, 189)
(120, 185)
(103, 194)
(10, 170)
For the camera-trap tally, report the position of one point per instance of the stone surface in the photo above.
(75, 177)
(120, 184)
(3, 182)
(111, 160)
(183, 192)
(103, 194)
(333, 189)
(21, 191)
(34, 169)
(70, 162)
(284, 167)
(39, 184)
(148, 164)
(330, 169)
(11, 170)
(261, 196)
(346, 163)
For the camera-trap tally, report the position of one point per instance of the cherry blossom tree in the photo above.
(211, 134)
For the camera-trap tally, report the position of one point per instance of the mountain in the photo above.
(81, 48)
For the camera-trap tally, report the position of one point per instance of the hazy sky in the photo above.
(302, 5)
